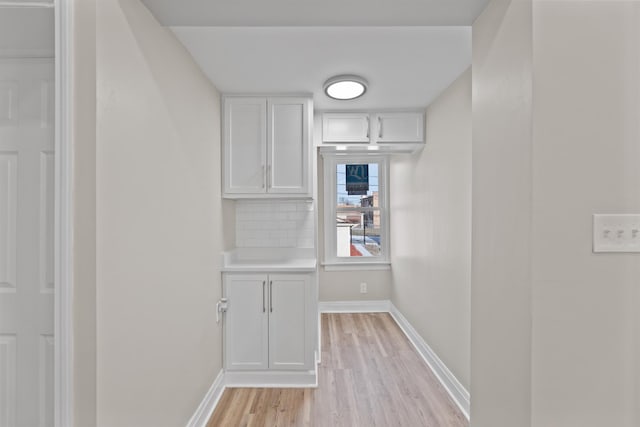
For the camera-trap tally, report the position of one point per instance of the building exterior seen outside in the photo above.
(358, 216)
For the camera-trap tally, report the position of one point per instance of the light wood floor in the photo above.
(370, 375)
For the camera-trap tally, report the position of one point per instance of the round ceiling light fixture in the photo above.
(345, 87)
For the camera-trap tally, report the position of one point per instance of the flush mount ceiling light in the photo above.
(345, 87)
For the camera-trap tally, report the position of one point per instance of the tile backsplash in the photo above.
(274, 223)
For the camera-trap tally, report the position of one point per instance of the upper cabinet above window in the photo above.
(266, 146)
(392, 130)
(399, 127)
(346, 127)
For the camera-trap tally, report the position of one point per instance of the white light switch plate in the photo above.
(616, 233)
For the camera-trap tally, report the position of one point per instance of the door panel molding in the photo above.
(8, 224)
(8, 370)
(47, 219)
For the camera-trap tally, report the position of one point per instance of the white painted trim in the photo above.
(371, 306)
(63, 299)
(455, 389)
(272, 379)
(209, 403)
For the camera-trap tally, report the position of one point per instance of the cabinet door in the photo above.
(288, 145)
(345, 127)
(245, 132)
(289, 340)
(399, 127)
(246, 329)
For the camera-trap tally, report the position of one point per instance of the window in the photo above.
(355, 209)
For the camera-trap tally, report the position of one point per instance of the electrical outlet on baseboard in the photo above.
(363, 288)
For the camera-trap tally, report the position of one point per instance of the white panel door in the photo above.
(288, 321)
(399, 127)
(26, 241)
(245, 142)
(246, 331)
(288, 145)
(345, 127)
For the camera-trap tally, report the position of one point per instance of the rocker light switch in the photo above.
(616, 233)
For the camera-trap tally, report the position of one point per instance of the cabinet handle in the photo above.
(379, 127)
(264, 175)
(271, 296)
(264, 283)
(368, 127)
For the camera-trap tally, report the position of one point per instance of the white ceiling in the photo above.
(408, 50)
(407, 67)
(315, 13)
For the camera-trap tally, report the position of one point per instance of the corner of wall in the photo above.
(431, 229)
(159, 222)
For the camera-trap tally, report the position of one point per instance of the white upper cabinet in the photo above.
(245, 145)
(345, 127)
(266, 146)
(399, 127)
(288, 145)
(384, 129)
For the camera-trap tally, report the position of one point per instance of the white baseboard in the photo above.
(272, 379)
(208, 404)
(371, 306)
(456, 390)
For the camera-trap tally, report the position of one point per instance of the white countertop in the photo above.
(269, 260)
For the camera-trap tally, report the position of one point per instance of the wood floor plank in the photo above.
(370, 376)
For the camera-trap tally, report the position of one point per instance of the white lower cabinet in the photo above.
(268, 322)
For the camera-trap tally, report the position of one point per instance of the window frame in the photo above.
(330, 164)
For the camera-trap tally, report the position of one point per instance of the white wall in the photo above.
(431, 230)
(159, 233)
(501, 216)
(586, 155)
(229, 223)
(555, 328)
(345, 285)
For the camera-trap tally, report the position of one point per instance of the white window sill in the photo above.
(356, 266)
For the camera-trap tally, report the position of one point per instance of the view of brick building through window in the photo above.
(358, 222)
